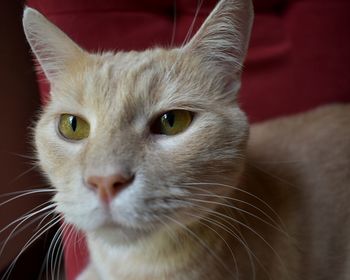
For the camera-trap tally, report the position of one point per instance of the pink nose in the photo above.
(108, 187)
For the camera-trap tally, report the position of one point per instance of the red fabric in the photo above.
(298, 58)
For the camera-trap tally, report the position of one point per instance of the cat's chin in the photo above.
(116, 234)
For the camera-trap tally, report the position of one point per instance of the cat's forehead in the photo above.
(132, 67)
(126, 80)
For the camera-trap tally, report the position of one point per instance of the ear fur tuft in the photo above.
(222, 41)
(52, 48)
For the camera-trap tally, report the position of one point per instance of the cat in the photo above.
(152, 158)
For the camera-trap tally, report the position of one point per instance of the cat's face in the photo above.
(121, 97)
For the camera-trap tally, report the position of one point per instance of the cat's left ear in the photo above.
(222, 41)
(53, 49)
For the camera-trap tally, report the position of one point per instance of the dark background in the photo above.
(19, 99)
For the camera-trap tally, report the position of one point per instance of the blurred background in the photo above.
(19, 100)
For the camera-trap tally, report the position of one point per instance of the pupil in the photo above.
(73, 123)
(170, 117)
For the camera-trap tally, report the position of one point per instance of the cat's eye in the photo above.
(172, 122)
(73, 127)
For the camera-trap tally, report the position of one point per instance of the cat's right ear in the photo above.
(52, 48)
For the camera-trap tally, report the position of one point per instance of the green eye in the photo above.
(172, 122)
(73, 127)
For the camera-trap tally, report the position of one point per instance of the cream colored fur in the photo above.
(206, 203)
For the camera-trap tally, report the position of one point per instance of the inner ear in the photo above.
(53, 49)
(223, 39)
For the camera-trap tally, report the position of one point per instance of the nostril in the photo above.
(108, 187)
(118, 185)
(93, 182)
(119, 180)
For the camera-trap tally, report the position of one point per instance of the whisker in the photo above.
(72, 239)
(48, 214)
(174, 26)
(188, 35)
(238, 209)
(244, 192)
(35, 237)
(60, 258)
(212, 194)
(272, 175)
(24, 173)
(169, 231)
(203, 244)
(218, 234)
(23, 156)
(50, 255)
(239, 237)
(65, 236)
(208, 210)
(190, 30)
(45, 266)
(76, 243)
(24, 216)
(15, 231)
(20, 194)
(57, 246)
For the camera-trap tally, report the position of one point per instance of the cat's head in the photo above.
(134, 140)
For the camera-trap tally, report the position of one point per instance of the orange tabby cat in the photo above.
(150, 157)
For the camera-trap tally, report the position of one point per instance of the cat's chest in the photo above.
(129, 263)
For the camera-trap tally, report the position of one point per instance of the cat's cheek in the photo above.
(80, 209)
(170, 143)
(56, 155)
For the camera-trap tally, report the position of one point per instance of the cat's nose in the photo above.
(108, 187)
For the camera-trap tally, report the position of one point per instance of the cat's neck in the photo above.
(164, 255)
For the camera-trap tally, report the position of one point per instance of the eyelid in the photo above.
(155, 116)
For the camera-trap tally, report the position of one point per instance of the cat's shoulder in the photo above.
(321, 131)
(308, 151)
